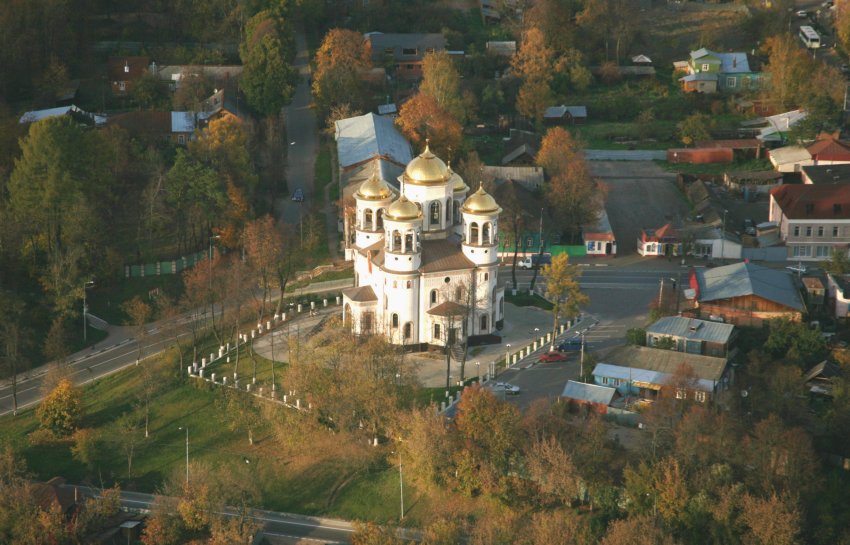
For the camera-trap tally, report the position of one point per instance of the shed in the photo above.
(593, 396)
(504, 49)
(574, 115)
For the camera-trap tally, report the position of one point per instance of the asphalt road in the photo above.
(302, 133)
(285, 527)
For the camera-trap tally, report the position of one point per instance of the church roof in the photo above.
(481, 202)
(426, 169)
(362, 294)
(446, 309)
(443, 255)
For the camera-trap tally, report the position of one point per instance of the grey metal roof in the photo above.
(741, 279)
(397, 42)
(691, 328)
(592, 393)
(649, 376)
(554, 112)
(363, 137)
(700, 53)
(666, 361)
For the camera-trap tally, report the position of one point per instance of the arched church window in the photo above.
(473, 233)
(379, 216)
(435, 213)
(408, 330)
(457, 212)
(486, 233)
(484, 323)
(367, 219)
(437, 331)
(448, 211)
(396, 241)
(395, 321)
(408, 242)
(433, 297)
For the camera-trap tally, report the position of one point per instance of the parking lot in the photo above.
(640, 194)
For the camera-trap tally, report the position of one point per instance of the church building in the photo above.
(425, 259)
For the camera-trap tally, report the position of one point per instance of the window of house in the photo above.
(181, 138)
(388, 50)
(484, 323)
(700, 396)
(731, 81)
(605, 380)
(705, 67)
(820, 230)
(408, 330)
(802, 251)
(835, 232)
(823, 251)
(122, 85)
(745, 82)
(436, 331)
(808, 230)
(429, 50)
(681, 394)
(395, 321)
(796, 230)
(409, 51)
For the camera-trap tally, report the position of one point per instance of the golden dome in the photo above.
(481, 202)
(458, 185)
(374, 189)
(402, 210)
(426, 169)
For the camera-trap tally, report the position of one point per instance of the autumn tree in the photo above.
(609, 21)
(14, 337)
(426, 445)
(640, 530)
(422, 118)
(268, 80)
(695, 128)
(340, 62)
(138, 313)
(193, 88)
(61, 411)
(552, 470)
(441, 80)
(127, 436)
(264, 248)
(241, 411)
(488, 431)
(534, 63)
(773, 520)
(372, 534)
(563, 291)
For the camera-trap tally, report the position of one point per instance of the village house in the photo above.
(815, 293)
(744, 294)
(123, 72)
(404, 52)
(219, 75)
(82, 117)
(709, 72)
(660, 242)
(692, 336)
(520, 148)
(565, 115)
(825, 174)
(593, 397)
(826, 150)
(644, 372)
(598, 237)
(813, 219)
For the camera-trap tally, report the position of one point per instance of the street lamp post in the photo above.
(210, 260)
(478, 369)
(507, 356)
(86, 286)
(187, 454)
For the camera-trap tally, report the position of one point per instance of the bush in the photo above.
(61, 411)
(636, 336)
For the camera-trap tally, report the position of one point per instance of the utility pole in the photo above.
(581, 361)
(661, 294)
(86, 286)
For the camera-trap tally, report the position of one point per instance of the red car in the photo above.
(552, 356)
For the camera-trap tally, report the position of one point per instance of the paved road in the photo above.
(302, 133)
(291, 528)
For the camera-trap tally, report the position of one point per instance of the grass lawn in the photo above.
(324, 277)
(526, 300)
(105, 302)
(322, 171)
(601, 135)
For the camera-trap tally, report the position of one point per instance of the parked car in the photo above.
(506, 387)
(570, 345)
(534, 261)
(549, 357)
(749, 227)
(802, 14)
(298, 195)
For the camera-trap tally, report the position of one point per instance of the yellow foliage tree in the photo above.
(422, 118)
(563, 290)
(62, 409)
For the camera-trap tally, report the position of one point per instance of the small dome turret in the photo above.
(403, 210)
(374, 189)
(426, 169)
(481, 202)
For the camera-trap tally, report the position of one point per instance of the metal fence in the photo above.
(159, 268)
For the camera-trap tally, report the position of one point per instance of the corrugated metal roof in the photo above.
(666, 361)
(741, 279)
(592, 393)
(641, 377)
(789, 154)
(363, 137)
(182, 121)
(691, 328)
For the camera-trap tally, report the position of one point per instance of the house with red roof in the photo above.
(663, 241)
(829, 150)
(813, 219)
